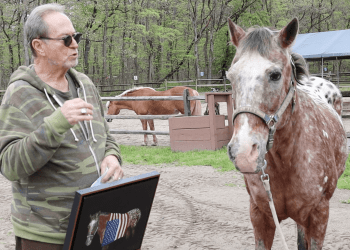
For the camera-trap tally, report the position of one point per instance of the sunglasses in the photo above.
(67, 39)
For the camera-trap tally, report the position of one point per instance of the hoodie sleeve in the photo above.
(24, 148)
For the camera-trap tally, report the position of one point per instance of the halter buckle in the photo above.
(271, 119)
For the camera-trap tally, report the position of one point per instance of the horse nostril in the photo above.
(231, 156)
(255, 149)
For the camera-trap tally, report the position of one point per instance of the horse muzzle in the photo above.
(88, 241)
(248, 157)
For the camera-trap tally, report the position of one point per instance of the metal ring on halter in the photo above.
(83, 111)
(263, 172)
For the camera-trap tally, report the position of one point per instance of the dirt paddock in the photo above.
(199, 207)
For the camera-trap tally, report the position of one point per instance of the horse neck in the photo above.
(285, 136)
(102, 222)
(125, 105)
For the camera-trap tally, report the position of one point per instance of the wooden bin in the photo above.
(202, 132)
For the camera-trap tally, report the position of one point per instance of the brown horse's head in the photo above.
(112, 109)
(260, 75)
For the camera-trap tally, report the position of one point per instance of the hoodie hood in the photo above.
(28, 74)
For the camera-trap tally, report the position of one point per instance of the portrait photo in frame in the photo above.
(112, 215)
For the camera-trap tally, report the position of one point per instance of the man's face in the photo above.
(57, 53)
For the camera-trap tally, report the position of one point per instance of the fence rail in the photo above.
(138, 132)
(195, 84)
(152, 98)
(186, 98)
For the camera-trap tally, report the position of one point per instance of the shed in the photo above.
(330, 45)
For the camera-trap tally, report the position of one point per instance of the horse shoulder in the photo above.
(322, 142)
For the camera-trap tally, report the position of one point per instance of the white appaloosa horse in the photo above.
(300, 118)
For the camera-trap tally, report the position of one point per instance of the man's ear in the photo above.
(38, 46)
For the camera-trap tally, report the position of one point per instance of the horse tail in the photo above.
(197, 109)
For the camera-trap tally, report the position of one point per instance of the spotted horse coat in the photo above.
(324, 90)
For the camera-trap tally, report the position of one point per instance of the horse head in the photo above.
(92, 227)
(135, 216)
(112, 109)
(260, 76)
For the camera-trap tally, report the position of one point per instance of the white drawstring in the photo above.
(59, 103)
(91, 128)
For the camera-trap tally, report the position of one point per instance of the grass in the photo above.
(346, 202)
(344, 180)
(163, 155)
(217, 159)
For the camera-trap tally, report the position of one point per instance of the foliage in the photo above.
(162, 39)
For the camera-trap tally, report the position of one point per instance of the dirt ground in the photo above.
(199, 207)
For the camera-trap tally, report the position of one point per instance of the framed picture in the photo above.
(112, 215)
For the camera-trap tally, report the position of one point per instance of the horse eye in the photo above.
(275, 76)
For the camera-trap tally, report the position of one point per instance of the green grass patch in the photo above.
(217, 159)
(344, 180)
(163, 155)
(346, 202)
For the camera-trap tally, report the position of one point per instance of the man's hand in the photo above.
(72, 110)
(114, 172)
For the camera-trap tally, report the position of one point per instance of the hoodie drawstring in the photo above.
(92, 130)
(75, 138)
(59, 103)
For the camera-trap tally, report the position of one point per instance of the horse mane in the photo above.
(134, 89)
(259, 39)
(129, 91)
(301, 69)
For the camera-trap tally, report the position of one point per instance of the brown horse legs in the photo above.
(312, 236)
(145, 137)
(151, 127)
(264, 227)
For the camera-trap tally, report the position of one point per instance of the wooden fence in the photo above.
(186, 98)
(195, 84)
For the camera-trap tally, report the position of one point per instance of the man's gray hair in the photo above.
(35, 26)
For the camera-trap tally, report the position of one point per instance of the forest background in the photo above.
(162, 39)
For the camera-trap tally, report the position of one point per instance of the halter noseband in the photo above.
(271, 120)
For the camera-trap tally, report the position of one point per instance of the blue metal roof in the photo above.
(327, 45)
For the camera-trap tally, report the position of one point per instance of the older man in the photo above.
(53, 136)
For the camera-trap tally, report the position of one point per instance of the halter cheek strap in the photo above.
(271, 120)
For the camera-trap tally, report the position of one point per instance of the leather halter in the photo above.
(271, 120)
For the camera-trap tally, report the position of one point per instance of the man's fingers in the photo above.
(77, 110)
(113, 175)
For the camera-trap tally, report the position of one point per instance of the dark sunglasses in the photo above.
(67, 39)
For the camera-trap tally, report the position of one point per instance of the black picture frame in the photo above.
(122, 206)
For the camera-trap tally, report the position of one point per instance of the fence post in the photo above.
(166, 84)
(225, 82)
(187, 104)
(196, 84)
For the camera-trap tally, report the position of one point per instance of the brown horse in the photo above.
(154, 107)
(308, 154)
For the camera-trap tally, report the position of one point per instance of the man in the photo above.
(53, 136)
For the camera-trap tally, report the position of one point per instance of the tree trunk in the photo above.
(87, 48)
(25, 41)
(104, 48)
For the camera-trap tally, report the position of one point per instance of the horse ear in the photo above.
(288, 34)
(236, 32)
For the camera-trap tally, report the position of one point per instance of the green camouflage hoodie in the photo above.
(45, 157)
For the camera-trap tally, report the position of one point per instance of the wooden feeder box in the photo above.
(207, 132)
